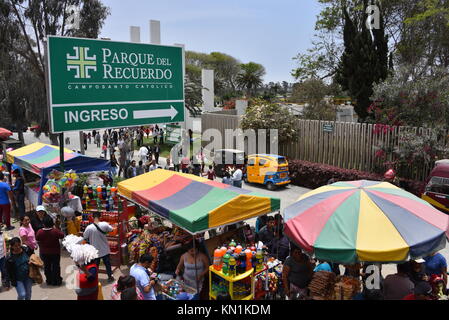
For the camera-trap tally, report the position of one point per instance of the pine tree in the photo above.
(364, 61)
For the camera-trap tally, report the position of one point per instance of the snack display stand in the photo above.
(116, 212)
(240, 287)
(197, 205)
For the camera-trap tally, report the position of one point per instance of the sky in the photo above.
(267, 32)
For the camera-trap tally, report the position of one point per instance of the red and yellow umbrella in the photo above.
(353, 221)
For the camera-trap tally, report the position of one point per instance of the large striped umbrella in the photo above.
(373, 221)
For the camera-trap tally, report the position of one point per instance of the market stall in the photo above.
(197, 205)
(341, 223)
(40, 159)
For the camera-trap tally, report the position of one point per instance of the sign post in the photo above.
(96, 84)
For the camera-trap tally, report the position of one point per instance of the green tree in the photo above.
(364, 61)
(23, 51)
(263, 115)
(312, 92)
(250, 77)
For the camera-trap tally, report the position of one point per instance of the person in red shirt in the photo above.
(50, 251)
(422, 291)
(210, 173)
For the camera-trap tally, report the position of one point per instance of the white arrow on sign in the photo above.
(159, 113)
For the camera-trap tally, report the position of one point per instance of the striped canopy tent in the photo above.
(41, 159)
(365, 221)
(194, 203)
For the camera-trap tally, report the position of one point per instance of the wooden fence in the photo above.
(342, 144)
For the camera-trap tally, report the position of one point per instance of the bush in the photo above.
(314, 175)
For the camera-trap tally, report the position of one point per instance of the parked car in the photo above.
(268, 169)
(228, 158)
(437, 187)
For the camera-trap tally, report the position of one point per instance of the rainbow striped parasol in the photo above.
(372, 221)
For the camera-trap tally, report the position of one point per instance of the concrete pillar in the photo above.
(186, 112)
(155, 32)
(82, 142)
(134, 34)
(207, 82)
(240, 106)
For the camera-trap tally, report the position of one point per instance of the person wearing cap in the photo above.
(422, 291)
(397, 286)
(6, 199)
(417, 272)
(390, 176)
(19, 192)
(37, 222)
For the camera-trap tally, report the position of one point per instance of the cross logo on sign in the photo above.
(81, 62)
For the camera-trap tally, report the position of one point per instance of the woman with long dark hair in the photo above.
(123, 283)
(18, 270)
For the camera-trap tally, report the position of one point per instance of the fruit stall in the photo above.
(196, 205)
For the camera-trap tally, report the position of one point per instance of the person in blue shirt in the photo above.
(140, 271)
(6, 199)
(323, 266)
(436, 264)
(227, 179)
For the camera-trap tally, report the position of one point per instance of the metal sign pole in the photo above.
(61, 151)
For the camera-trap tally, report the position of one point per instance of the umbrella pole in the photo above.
(196, 269)
(61, 151)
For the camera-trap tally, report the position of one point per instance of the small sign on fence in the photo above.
(328, 127)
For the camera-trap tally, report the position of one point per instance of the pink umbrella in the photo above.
(5, 133)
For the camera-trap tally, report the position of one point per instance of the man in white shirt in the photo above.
(237, 178)
(143, 153)
(153, 166)
(95, 234)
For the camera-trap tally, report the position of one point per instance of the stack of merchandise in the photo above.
(101, 198)
(322, 285)
(235, 259)
(174, 289)
(347, 287)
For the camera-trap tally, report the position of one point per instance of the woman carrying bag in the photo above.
(20, 264)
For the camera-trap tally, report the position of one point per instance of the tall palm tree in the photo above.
(250, 77)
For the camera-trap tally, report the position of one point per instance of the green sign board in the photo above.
(173, 133)
(95, 84)
(328, 127)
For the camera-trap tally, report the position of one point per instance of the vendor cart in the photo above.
(197, 205)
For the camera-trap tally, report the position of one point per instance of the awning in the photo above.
(38, 157)
(41, 159)
(194, 203)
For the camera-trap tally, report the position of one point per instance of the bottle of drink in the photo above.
(232, 243)
(103, 191)
(87, 201)
(100, 192)
(242, 258)
(94, 192)
(249, 257)
(111, 203)
(238, 249)
(108, 191)
(225, 268)
(259, 258)
(232, 265)
(217, 259)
